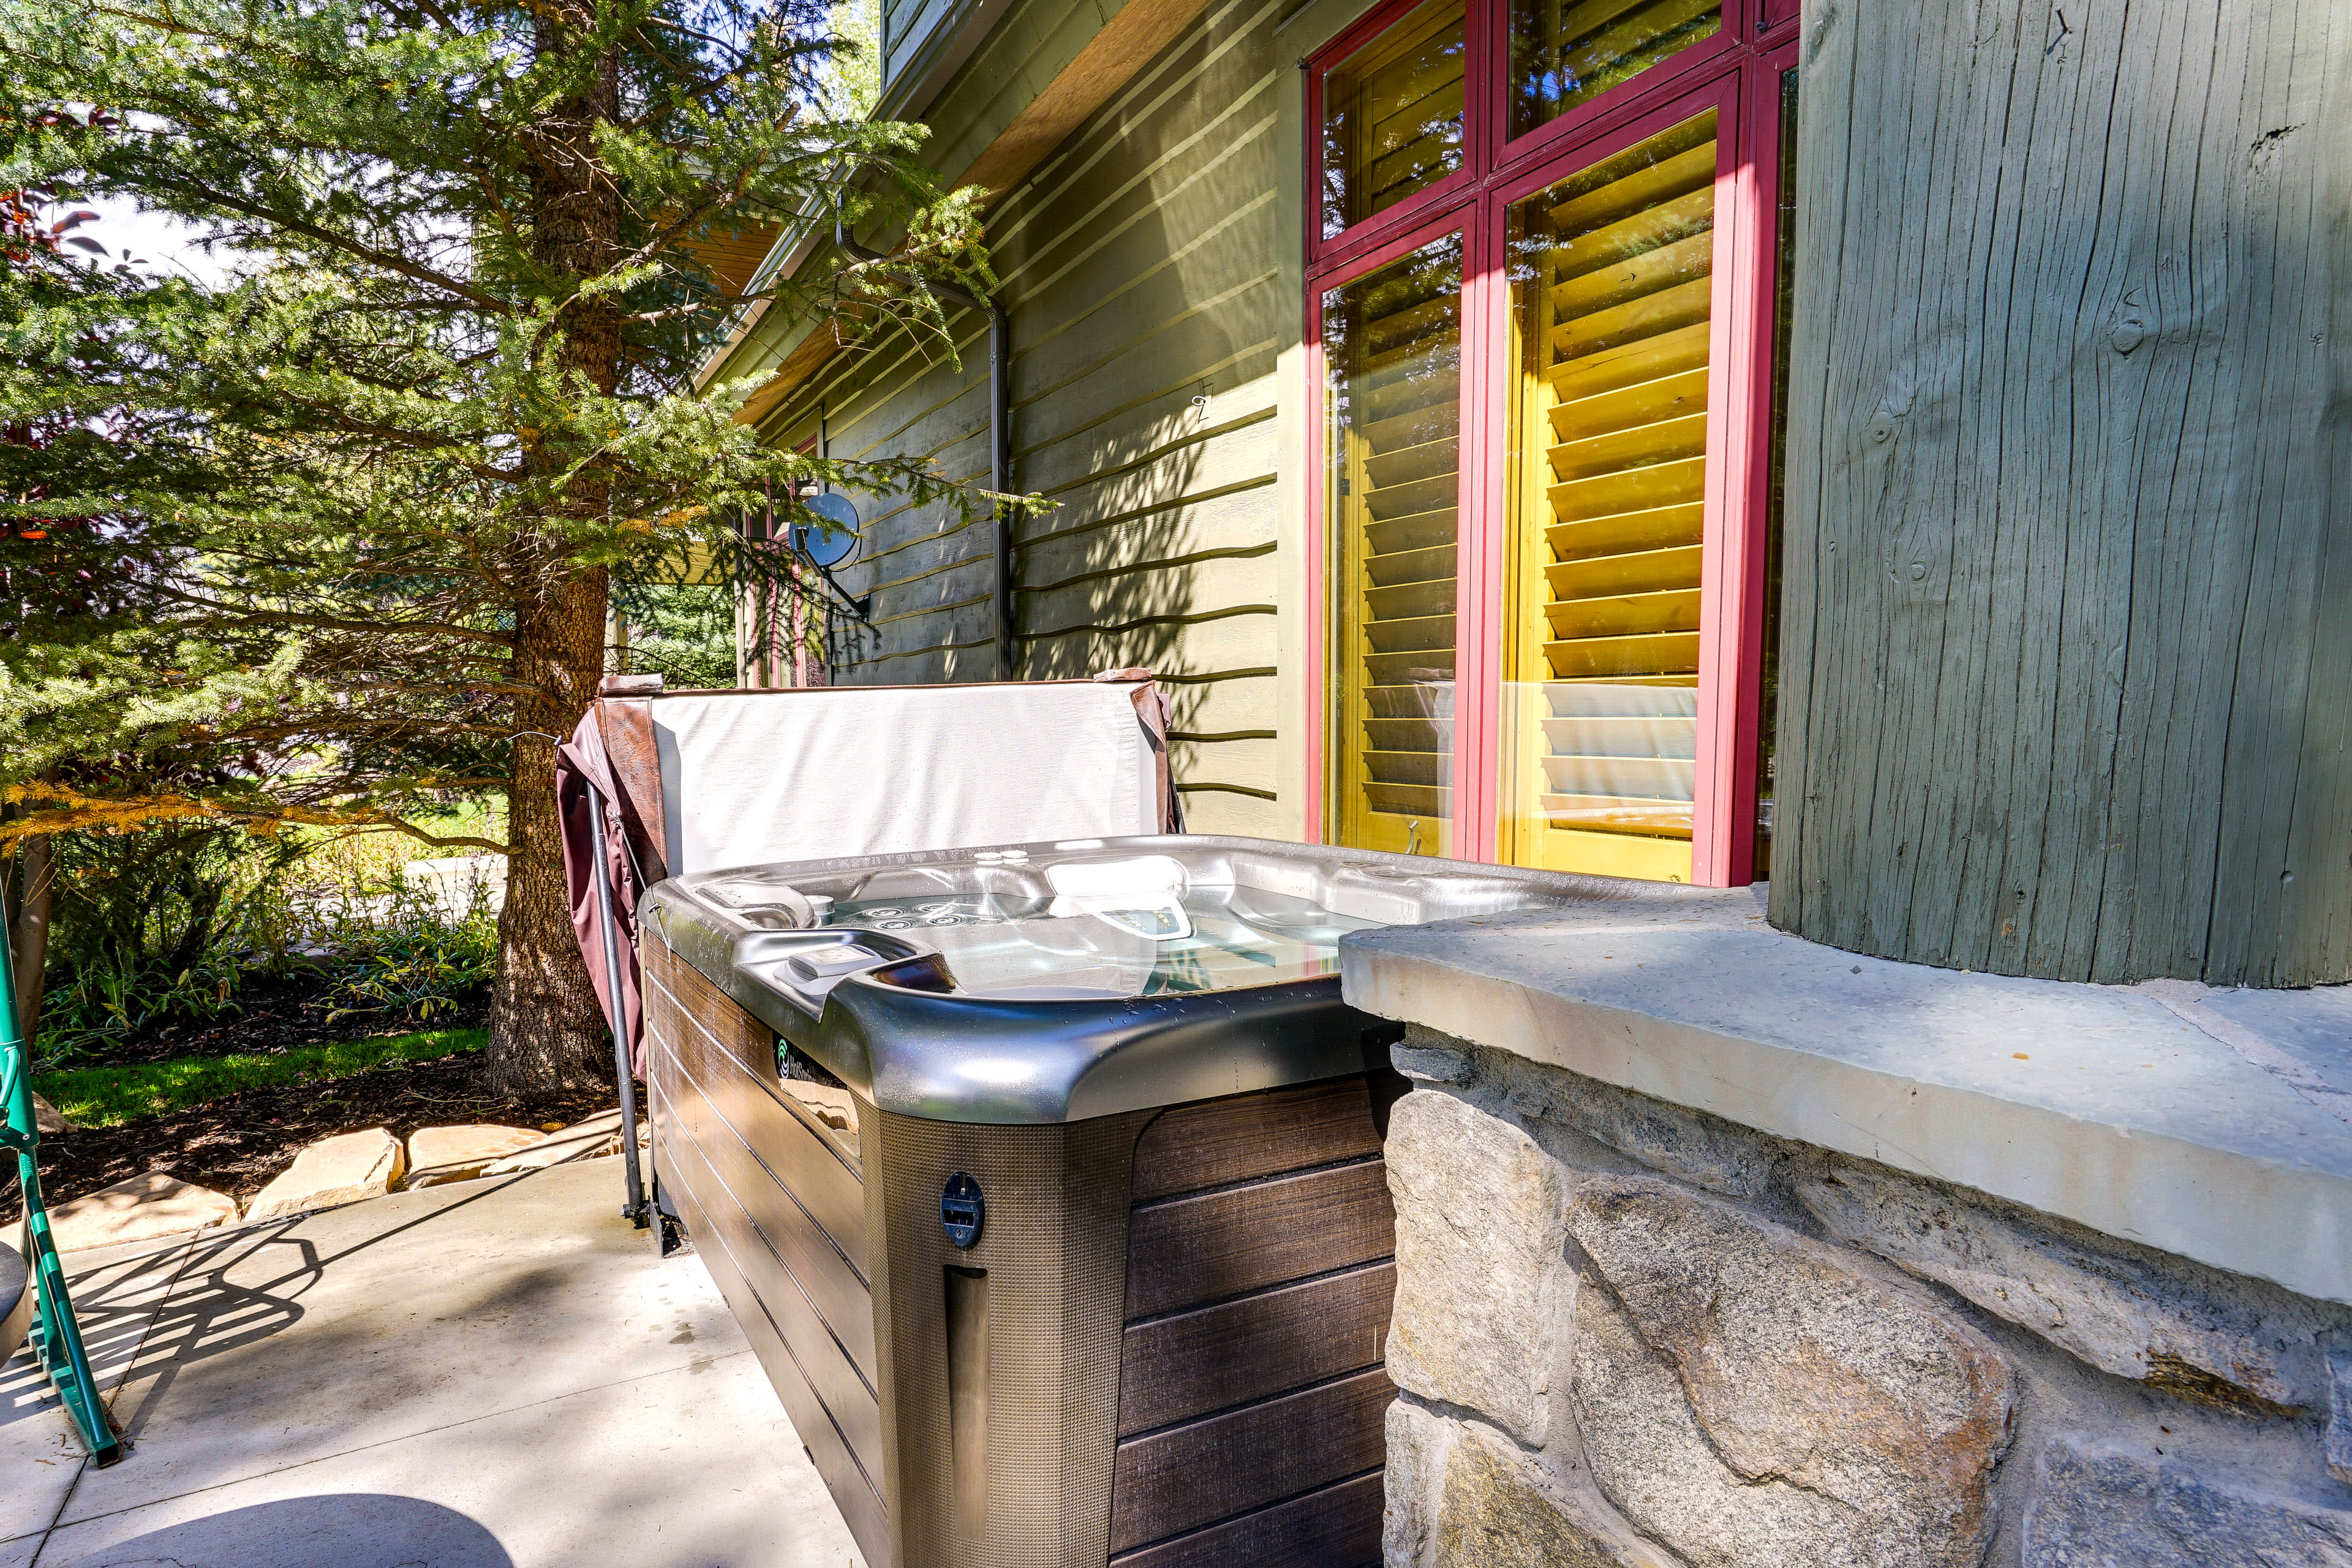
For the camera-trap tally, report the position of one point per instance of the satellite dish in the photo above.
(828, 534)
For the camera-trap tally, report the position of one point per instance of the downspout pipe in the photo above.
(1000, 435)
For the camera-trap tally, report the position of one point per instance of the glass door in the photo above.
(1392, 345)
(1543, 607)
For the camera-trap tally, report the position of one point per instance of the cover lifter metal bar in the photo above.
(55, 1335)
(615, 1019)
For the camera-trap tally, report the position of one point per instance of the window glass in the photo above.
(1392, 345)
(1565, 52)
(1392, 116)
(1611, 274)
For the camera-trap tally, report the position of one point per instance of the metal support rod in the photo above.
(1000, 436)
(57, 1333)
(1000, 472)
(615, 1018)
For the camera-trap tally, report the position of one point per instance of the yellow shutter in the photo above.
(1613, 279)
(1392, 115)
(1393, 345)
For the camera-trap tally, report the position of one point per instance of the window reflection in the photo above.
(1612, 283)
(1392, 116)
(1393, 342)
(1567, 52)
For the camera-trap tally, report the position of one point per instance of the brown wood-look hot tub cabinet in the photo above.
(1167, 1349)
(772, 1189)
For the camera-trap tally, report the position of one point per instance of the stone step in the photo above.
(343, 1169)
(441, 1154)
(598, 1136)
(140, 1208)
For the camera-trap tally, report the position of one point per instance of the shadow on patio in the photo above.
(494, 1372)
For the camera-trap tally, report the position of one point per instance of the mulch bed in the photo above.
(275, 1014)
(236, 1145)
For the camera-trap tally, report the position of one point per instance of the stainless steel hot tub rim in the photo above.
(891, 1036)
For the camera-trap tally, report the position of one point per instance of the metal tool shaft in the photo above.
(615, 1019)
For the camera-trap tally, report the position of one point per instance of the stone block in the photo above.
(2340, 1411)
(597, 1136)
(2100, 1508)
(47, 1119)
(1417, 1443)
(2130, 1311)
(1751, 1401)
(1496, 1513)
(1481, 1262)
(1702, 1150)
(1652, 1460)
(441, 1154)
(1432, 1058)
(343, 1169)
(139, 1209)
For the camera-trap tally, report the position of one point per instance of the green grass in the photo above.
(109, 1096)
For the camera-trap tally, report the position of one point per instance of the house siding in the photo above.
(1149, 270)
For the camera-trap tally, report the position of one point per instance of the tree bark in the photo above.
(28, 929)
(547, 1030)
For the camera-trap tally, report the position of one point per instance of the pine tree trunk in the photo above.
(546, 1028)
(27, 913)
(547, 1031)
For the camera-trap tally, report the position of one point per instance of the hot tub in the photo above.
(1046, 1182)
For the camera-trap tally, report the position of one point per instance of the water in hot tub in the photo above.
(1212, 939)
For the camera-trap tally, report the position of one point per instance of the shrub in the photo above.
(165, 927)
(147, 928)
(409, 955)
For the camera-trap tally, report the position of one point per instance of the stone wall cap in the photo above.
(2214, 1124)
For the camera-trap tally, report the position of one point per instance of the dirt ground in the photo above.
(237, 1145)
(234, 1145)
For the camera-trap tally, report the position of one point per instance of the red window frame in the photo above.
(1738, 73)
(1479, 82)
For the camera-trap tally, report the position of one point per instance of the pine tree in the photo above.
(334, 538)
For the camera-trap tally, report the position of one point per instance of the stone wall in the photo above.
(1628, 1333)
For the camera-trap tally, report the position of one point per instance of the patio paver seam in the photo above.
(81, 1468)
(130, 1365)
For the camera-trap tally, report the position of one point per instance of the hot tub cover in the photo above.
(703, 781)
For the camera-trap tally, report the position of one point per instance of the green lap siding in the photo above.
(1150, 266)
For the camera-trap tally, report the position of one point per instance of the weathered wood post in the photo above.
(2067, 632)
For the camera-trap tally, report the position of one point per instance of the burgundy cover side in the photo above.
(1154, 712)
(630, 838)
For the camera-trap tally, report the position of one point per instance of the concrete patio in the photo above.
(491, 1375)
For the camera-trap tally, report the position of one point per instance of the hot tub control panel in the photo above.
(961, 1210)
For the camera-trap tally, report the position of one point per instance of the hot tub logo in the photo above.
(961, 1209)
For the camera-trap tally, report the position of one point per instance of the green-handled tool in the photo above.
(55, 1337)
